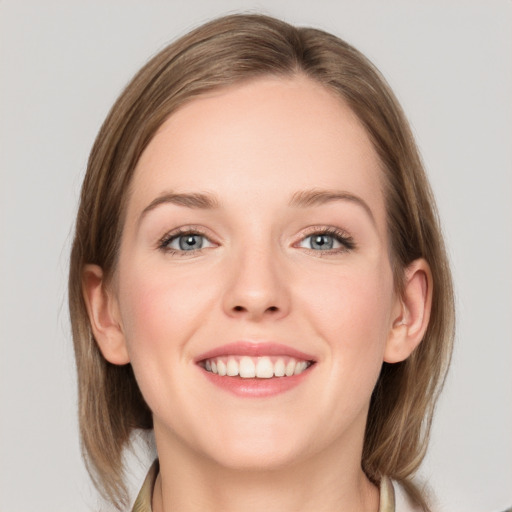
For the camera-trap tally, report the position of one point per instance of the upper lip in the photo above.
(254, 349)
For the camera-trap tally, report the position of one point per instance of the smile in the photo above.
(247, 367)
(257, 370)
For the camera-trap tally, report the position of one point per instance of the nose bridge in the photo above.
(257, 285)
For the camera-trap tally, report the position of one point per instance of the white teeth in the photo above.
(221, 368)
(300, 367)
(264, 367)
(279, 368)
(232, 367)
(247, 368)
(290, 368)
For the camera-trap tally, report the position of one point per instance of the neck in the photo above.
(326, 482)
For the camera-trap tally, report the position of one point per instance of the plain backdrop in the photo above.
(61, 67)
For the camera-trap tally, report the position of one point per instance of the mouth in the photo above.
(247, 367)
(255, 369)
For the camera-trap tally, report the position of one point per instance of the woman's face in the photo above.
(255, 244)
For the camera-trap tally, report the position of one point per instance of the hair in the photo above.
(222, 52)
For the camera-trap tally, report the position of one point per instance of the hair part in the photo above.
(222, 52)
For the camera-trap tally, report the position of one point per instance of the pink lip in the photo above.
(248, 348)
(255, 388)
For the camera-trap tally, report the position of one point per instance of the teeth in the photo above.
(260, 367)
(264, 368)
(247, 368)
(279, 368)
(299, 367)
(221, 368)
(290, 368)
(232, 367)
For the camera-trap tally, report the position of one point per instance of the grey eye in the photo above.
(320, 242)
(188, 242)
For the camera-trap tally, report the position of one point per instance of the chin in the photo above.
(259, 446)
(256, 457)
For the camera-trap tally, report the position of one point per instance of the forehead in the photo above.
(291, 133)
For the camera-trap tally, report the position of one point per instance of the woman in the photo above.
(258, 275)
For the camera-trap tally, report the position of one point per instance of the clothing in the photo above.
(144, 498)
(392, 496)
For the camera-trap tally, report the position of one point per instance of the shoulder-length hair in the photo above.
(220, 53)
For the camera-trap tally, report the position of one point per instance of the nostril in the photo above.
(271, 309)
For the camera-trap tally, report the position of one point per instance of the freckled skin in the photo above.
(253, 146)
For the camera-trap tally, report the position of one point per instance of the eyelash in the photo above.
(346, 241)
(164, 242)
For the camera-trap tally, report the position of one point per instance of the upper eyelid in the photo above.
(344, 238)
(324, 229)
(184, 230)
(329, 230)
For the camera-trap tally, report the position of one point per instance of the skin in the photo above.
(253, 147)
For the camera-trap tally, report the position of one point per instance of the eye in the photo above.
(185, 242)
(327, 240)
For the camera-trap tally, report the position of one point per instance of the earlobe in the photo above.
(412, 313)
(104, 316)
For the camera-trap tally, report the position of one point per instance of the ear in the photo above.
(104, 316)
(411, 314)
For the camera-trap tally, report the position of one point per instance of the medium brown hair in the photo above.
(222, 52)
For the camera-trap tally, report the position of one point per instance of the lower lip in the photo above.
(256, 388)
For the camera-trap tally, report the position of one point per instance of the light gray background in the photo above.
(61, 67)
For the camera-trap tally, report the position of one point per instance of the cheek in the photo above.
(159, 310)
(161, 313)
(352, 311)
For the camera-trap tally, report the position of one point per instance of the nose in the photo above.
(258, 287)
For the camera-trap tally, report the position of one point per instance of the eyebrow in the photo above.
(197, 200)
(318, 197)
(301, 199)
